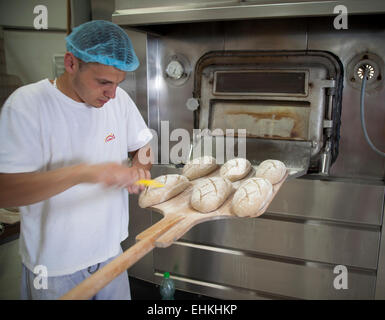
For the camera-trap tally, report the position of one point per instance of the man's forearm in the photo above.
(20, 189)
(143, 158)
(137, 163)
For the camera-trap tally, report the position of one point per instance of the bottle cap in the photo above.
(166, 275)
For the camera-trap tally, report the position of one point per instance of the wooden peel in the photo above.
(179, 206)
(89, 287)
(178, 218)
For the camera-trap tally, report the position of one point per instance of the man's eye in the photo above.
(103, 82)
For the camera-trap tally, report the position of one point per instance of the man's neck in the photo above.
(64, 84)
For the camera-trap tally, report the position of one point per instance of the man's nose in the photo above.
(110, 93)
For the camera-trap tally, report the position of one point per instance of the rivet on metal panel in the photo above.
(328, 124)
(192, 104)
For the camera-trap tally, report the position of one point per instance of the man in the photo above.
(64, 144)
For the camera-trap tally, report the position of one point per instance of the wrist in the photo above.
(82, 173)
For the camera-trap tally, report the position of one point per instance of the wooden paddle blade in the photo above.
(89, 287)
(167, 239)
(163, 224)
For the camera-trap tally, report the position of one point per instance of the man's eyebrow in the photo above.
(104, 80)
(108, 81)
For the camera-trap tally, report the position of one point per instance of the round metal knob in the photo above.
(192, 104)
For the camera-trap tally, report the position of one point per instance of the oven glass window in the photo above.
(260, 82)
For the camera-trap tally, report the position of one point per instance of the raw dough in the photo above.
(210, 193)
(251, 197)
(272, 170)
(235, 169)
(199, 167)
(174, 185)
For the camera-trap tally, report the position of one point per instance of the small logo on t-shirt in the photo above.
(110, 137)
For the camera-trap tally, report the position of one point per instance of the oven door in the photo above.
(286, 104)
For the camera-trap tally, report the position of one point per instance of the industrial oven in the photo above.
(285, 73)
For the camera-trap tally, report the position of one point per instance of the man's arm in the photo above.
(143, 160)
(20, 189)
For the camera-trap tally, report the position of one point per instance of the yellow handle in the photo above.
(150, 183)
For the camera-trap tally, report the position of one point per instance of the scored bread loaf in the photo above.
(174, 184)
(272, 170)
(235, 169)
(199, 167)
(251, 197)
(210, 194)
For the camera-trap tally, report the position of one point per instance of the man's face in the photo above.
(96, 84)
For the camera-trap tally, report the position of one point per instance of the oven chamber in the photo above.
(332, 215)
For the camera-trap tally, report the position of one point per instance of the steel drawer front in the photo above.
(345, 202)
(291, 240)
(303, 281)
(335, 201)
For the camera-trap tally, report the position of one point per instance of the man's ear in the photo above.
(71, 63)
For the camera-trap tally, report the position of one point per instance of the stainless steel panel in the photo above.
(300, 246)
(193, 40)
(167, 102)
(217, 290)
(281, 34)
(349, 202)
(380, 282)
(136, 81)
(365, 34)
(136, 4)
(102, 9)
(153, 70)
(231, 10)
(300, 240)
(80, 12)
(303, 281)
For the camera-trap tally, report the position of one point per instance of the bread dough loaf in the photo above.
(210, 193)
(235, 169)
(251, 197)
(199, 167)
(272, 170)
(174, 184)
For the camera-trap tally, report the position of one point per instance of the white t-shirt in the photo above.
(42, 129)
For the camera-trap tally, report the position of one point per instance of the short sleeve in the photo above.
(20, 150)
(138, 134)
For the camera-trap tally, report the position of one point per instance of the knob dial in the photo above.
(175, 70)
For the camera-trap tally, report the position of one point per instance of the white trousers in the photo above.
(117, 289)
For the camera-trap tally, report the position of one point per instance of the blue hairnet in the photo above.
(103, 42)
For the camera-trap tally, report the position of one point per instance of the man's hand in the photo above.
(113, 174)
(21, 189)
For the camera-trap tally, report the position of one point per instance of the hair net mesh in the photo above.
(103, 42)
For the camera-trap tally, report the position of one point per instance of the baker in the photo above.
(63, 161)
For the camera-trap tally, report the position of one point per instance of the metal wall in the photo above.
(314, 223)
